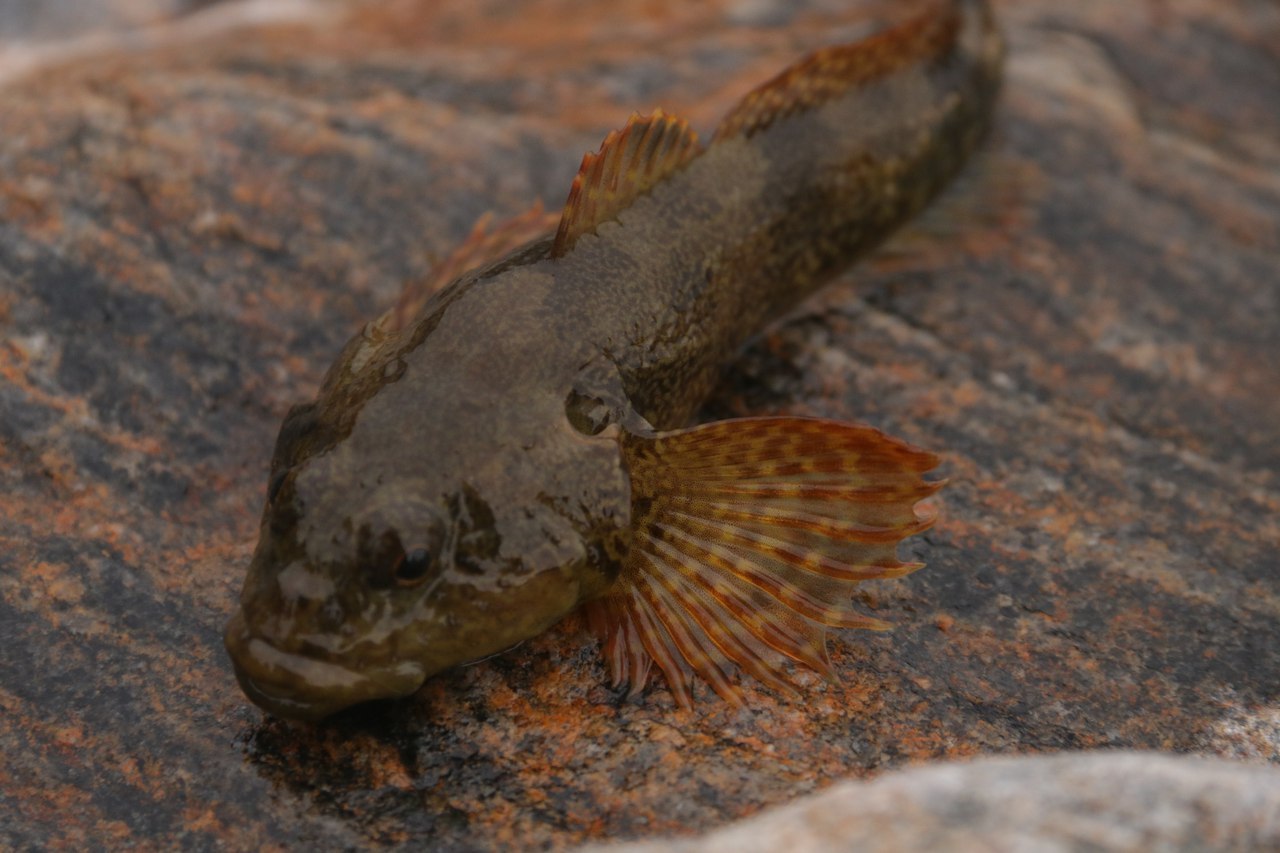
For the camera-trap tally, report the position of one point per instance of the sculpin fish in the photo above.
(496, 452)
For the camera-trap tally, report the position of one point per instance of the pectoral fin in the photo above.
(748, 539)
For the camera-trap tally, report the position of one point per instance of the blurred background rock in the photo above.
(35, 33)
(25, 22)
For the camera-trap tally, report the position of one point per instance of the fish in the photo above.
(516, 440)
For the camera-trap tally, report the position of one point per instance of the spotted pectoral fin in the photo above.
(630, 161)
(485, 244)
(748, 539)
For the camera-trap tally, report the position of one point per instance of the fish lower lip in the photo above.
(283, 706)
(297, 687)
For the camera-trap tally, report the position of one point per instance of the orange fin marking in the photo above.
(629, 163)
(661, 646)
(831, 72)
(485, 244)
(714, 608)
(749, 539)
(687, 624)
(796, 639)
(628, 661)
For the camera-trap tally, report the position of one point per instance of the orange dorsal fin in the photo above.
(828, 73)
(749, 538)
(629, 163)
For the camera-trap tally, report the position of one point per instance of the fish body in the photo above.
(517, 444)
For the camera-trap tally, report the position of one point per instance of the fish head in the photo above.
(418, 536)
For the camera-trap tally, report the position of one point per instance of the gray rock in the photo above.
(194, 220)
(1099, 801)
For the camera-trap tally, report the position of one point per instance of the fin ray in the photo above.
(877, 530)
(794, 639)
(803, 559)
(802, 494)
(688, 632)
(629, 163)
(739, 562)
(723, 559)
(723, 623)
(662, 649)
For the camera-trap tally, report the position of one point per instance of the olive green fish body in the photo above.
(471, 473)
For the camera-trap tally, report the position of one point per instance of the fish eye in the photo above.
(587, 414)
(385, 562)
(413, 567)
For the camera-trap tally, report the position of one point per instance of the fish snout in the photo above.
(301, 687)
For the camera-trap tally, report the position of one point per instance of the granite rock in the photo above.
(1106, 802)
(1087, 327)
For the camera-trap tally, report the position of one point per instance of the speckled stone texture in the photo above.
(1121, 802)
(1088, 328)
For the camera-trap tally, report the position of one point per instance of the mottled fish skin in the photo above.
(464, 480)
(763, 218)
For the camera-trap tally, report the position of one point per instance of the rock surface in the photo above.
(50, 20)
(1088, 328)
(41, 33)
(1120, 802)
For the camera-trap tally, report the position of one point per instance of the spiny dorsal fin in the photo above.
(833, 71)
(485, 244)
(750, 537)
(629, 163)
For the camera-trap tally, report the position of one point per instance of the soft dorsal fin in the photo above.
(833, 71)
(629, 163)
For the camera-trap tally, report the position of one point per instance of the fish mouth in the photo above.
(297, 687)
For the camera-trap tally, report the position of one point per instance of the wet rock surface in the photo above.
(1088, 328)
